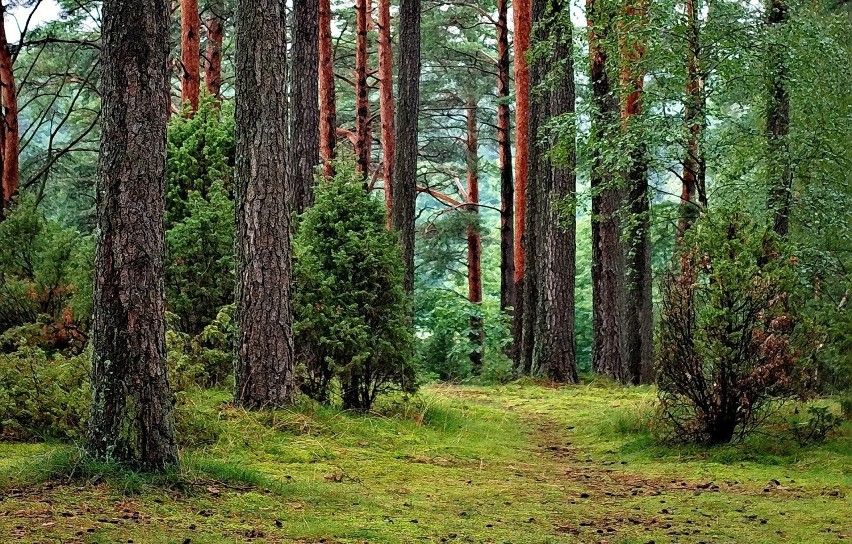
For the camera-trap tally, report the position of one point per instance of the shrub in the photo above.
(819, 424)
(352, 315)
(729, 335)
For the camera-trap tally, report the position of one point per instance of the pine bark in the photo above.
(362, 102)
(474, 240)
(555, 345)
(190, 53)
(778, 123)
(407, 113)
(9, 95)
(213, 52)
(265, 361)
(304, 96)
(132, 419)
(504, 150)
(639, 312)
(386, 102)
(608, 268)
(328, 106)
(522, 13)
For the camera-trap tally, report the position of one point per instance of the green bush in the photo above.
(351, 311)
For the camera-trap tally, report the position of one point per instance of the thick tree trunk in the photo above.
(407, 113)
(474, 240)
(386, 101)
(328, 106)
(504, 150)
(608, 279)
(555, 346)
(213, 54)
(9, 95)
(639, 312)
(362, 102)
(522, 13)
(265, 362)
(693, 196)
(778, 123)
(190, 53)
(132, 419)
(304, 96)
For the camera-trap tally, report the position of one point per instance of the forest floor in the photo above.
(520, 463)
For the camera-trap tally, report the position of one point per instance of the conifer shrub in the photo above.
(351, 313)
(731, 344)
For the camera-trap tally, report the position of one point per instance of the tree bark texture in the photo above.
(474, 240)
(328, 106)
(10, 137)
(304, 96)
(265, 361)
(132, 419)
(407, 113)
(362, 102)
(504, 150)
(190, 53)
(778, 123)
(386, 102)
(608, 273)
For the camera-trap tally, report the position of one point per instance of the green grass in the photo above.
(519, 463)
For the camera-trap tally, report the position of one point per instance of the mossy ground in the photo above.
(520, 463)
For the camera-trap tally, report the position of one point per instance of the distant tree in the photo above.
(328, 102)
(504, 150)
(9, 130)
(132, 417)
(363, 135)
(386, 105)
(190, 54)
(778, 119)
(304, 100)
(213, 52)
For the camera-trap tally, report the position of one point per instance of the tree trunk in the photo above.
(265, 362)
(190, 53)
(778, 123)
(328, 107)
(693, 196)
(305, 115)
(362, 102)
(9, 95)
(504, 149)
(386, 102)
(522, 13)
(608, 281)
(132, 419)
(474, 240)
(639, 312)
(215, 36)
(555, 346)
(407, 113)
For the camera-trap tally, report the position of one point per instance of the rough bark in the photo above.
(362, 102)
(264, 364)
(504, 150)
(386, 101)
(304, 96)
(190, 53)
(693, 196)
(778, 124)
(608, 279)
(639, 311)
(522, 13)
(213, 53)
(555, 345)
(407, 112)
(9, 95)
(132, 419)
(474, 240)
(328, 106)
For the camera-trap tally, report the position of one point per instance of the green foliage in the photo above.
(204, 360)
(351, 312)
(819, 424)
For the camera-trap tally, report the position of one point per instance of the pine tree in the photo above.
(304, 98)
(190, 53)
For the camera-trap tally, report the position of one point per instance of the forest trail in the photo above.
(516, 463)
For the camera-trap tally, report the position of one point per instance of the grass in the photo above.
(520, 463)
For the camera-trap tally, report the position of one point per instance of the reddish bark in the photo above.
(9, 95)
(386, 101)
(213, 54)
(474, 240)
(190, 53)
(362, 103)
(504, 149)
(328, 107)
